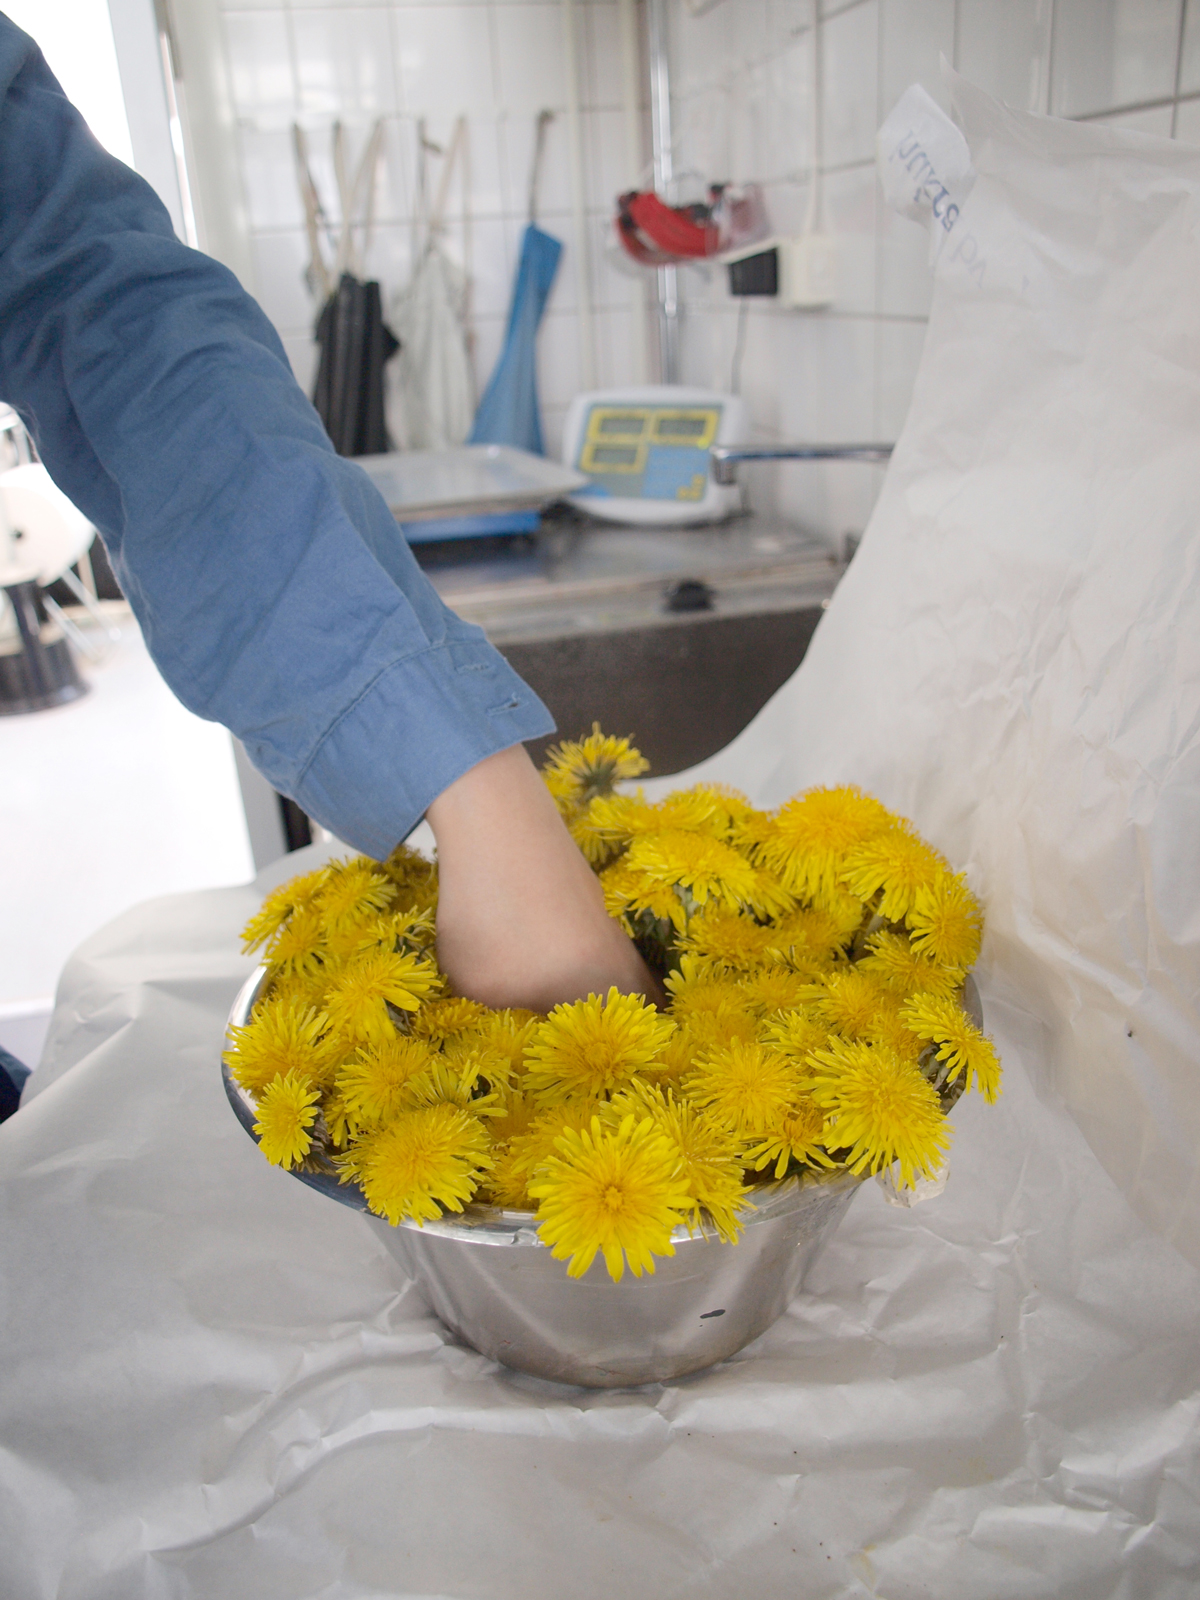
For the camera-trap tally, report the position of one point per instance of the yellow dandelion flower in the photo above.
(795, 1034)
(628, 892)
(454, 1083)
(504, 1186)
(306, 989)
(439, 1020)
(498, 1041)
(284, 1038)
(798, 1135)
(726, 941)
(749, 829)
(286, 1111)
(709, 1157)
(616, 818)
(849, 1001)
(354, 891)
(705, 867)
(746, 1085)
(279, 906)
(515, 1117)
(899, 863)
(811, 936)
(693, 989)
(337, 1120)
(345, 940)
(905, 971)
(889, 1029)
(881, 1110)
(415, 877)
(421, 1164)
(811, 835)
(616, 1191)
(577, 770)
(698, 810)
(362, 990)
(297, 947)
(702, 1034)
(946, 923)
(588, 1048)
(959, 1042)
(597, 846)
(730, 805)
(528, 1150)
(508, 1033)
(773, 989)
(373, 1086)
(767, 897)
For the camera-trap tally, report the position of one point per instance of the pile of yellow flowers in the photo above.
(814, 960)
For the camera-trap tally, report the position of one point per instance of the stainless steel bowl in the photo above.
(495, 1285)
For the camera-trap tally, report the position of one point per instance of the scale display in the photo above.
(648, 452)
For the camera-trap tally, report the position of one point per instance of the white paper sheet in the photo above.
(213, 1383)
(1013, 658)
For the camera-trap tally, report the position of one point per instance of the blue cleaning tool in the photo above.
(508, 412)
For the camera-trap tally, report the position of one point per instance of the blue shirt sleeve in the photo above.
(274, 589)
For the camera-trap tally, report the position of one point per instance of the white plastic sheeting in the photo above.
(1013, 659)
(214, 1384)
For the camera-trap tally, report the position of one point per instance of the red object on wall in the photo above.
(658, 235)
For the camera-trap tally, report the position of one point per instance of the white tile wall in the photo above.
(742, 78)
(1112, 52)
(498, 62)
(742, 81)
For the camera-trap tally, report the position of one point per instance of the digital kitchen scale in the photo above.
(644, 453)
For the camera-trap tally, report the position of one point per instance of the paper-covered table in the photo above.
(214, 1382)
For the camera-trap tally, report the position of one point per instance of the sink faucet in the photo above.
(725, 457)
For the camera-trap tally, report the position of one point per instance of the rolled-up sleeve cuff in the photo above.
(419, 725)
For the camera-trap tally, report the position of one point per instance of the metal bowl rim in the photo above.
(480, 1224)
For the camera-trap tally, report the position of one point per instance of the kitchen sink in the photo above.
(673, 636)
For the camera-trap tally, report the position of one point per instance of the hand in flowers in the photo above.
(521, 918)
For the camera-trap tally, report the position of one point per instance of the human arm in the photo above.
(271, 583)
(521, 916)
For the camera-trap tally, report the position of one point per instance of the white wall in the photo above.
(497, 61)
(742, 84)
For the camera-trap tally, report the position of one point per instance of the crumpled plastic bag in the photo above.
(1013, 658)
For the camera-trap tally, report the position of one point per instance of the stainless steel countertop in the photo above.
(591, 577)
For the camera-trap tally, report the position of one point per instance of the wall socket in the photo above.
(808, 271)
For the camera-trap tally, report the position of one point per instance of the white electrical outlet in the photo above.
(808, 271)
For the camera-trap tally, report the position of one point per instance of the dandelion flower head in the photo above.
(747, 1086)
(422, 1163)
(959, 1043)
(812, 834)
(946, 923)
(359, 995)
(578, 770)
(881, 1110)
(894, 865)
(796, 1136)
(285, 1037)
(591, 1047)
(286, 1111)
(373, 1086)
(611, 1191)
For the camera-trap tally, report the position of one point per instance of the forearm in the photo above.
(274, 589)
(521, 917)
